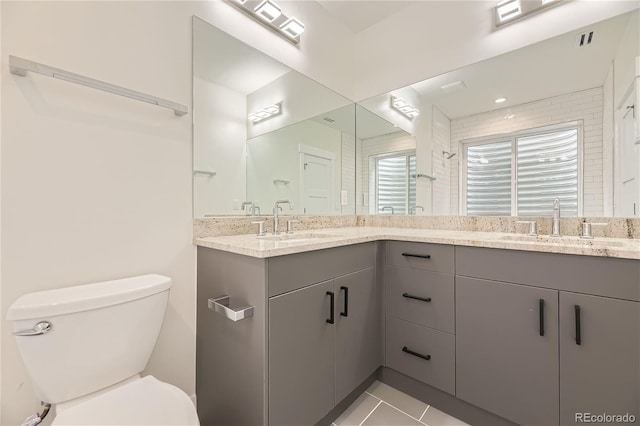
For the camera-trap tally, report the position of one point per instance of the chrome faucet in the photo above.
(555, 222)
(276, 219)
(250, 204)
(414, 209)
(388, 207)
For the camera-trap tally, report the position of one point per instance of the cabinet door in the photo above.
(599, 356)
(503, 363)
(301, 356)
(359, 333)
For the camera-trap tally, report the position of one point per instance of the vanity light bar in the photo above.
(508, 11)
(265, 113)
(269, 14)
(404, 107)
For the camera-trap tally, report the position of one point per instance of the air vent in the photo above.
(584, 39)
(330, 120)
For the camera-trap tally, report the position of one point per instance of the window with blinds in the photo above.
(522, 174)
(396, 183)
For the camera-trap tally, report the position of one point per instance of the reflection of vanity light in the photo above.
(269, 14)
(405, 108)
(292, 27)
(509, 116)
(268, 11)
(508, 9)
(265, 113)
(500, 100)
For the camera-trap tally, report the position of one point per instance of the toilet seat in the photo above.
(145, 401)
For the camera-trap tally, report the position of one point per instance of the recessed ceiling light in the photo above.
(268, 11)
(500, 100)
(292, 27)
(508, 9)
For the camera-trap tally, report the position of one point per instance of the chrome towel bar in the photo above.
(221, 306)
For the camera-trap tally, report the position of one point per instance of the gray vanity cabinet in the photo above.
(314, 349)
(301, 356)
(599, 356)
(506, 350)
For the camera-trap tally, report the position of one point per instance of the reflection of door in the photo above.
(629, 202)
(316, 180)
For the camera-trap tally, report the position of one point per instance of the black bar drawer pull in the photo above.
(422, 256)
(345, 312)
(541, 310)
(409, 296)
(410, 352)
(332, 301)
(578, 328)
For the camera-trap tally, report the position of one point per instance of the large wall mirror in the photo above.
(506, 136)
(263, 132)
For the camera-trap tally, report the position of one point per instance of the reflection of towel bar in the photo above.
(276, 181)
(20, 66)
(221, 306)
(422, 175)
(204, 172)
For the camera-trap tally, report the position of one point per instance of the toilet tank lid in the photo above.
(85, 297)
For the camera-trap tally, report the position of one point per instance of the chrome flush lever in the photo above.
(43, 327)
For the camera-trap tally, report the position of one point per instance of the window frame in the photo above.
(373, 176)
(512, 137)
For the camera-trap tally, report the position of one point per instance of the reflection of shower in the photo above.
(446, 155)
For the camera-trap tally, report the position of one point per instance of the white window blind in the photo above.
(522, 174)
(548, 169)
(489, 179)
(396, 183)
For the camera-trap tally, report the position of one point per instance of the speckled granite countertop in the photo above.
(303, 241)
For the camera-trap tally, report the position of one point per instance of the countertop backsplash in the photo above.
(240, 225)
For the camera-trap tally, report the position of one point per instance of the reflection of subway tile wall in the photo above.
(441, 166)
(348, 172)
(585, 105)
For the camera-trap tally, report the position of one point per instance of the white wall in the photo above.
(348, 177)
(219, 144)
(95, 186)
(586, 106)
(625, 59)
(276, 155)
(301, 99)
(429, 38)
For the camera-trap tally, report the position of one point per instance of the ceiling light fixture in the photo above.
(508, 11)
(500, 100)
(269, 14)
(405, 108)
(265, 113)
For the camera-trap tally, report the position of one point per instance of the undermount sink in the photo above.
(296, 237)
(569, 240)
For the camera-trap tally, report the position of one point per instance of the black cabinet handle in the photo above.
(578, 328)
(410, 352)
(345, 313)
(422, 256)
(332, 303)
(409, 296)
(541, 310)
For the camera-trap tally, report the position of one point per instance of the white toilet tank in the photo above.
(100, 334)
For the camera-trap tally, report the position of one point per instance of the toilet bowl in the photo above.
(84, 348)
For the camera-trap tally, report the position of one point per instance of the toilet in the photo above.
(84, 348)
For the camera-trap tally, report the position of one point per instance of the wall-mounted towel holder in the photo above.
(283, 181)
(20, 66)
(221, 306)
(422, 175)
(204, 172)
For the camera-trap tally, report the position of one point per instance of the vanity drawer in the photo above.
(439, 370)
(431, 257)
(290, 272)
(602, 276)
(405, 285)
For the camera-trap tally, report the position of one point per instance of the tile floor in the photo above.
(385, 406)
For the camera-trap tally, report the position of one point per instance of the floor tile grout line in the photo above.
(369, 415)
(424, 412)
(407, 414)
(370, 394)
